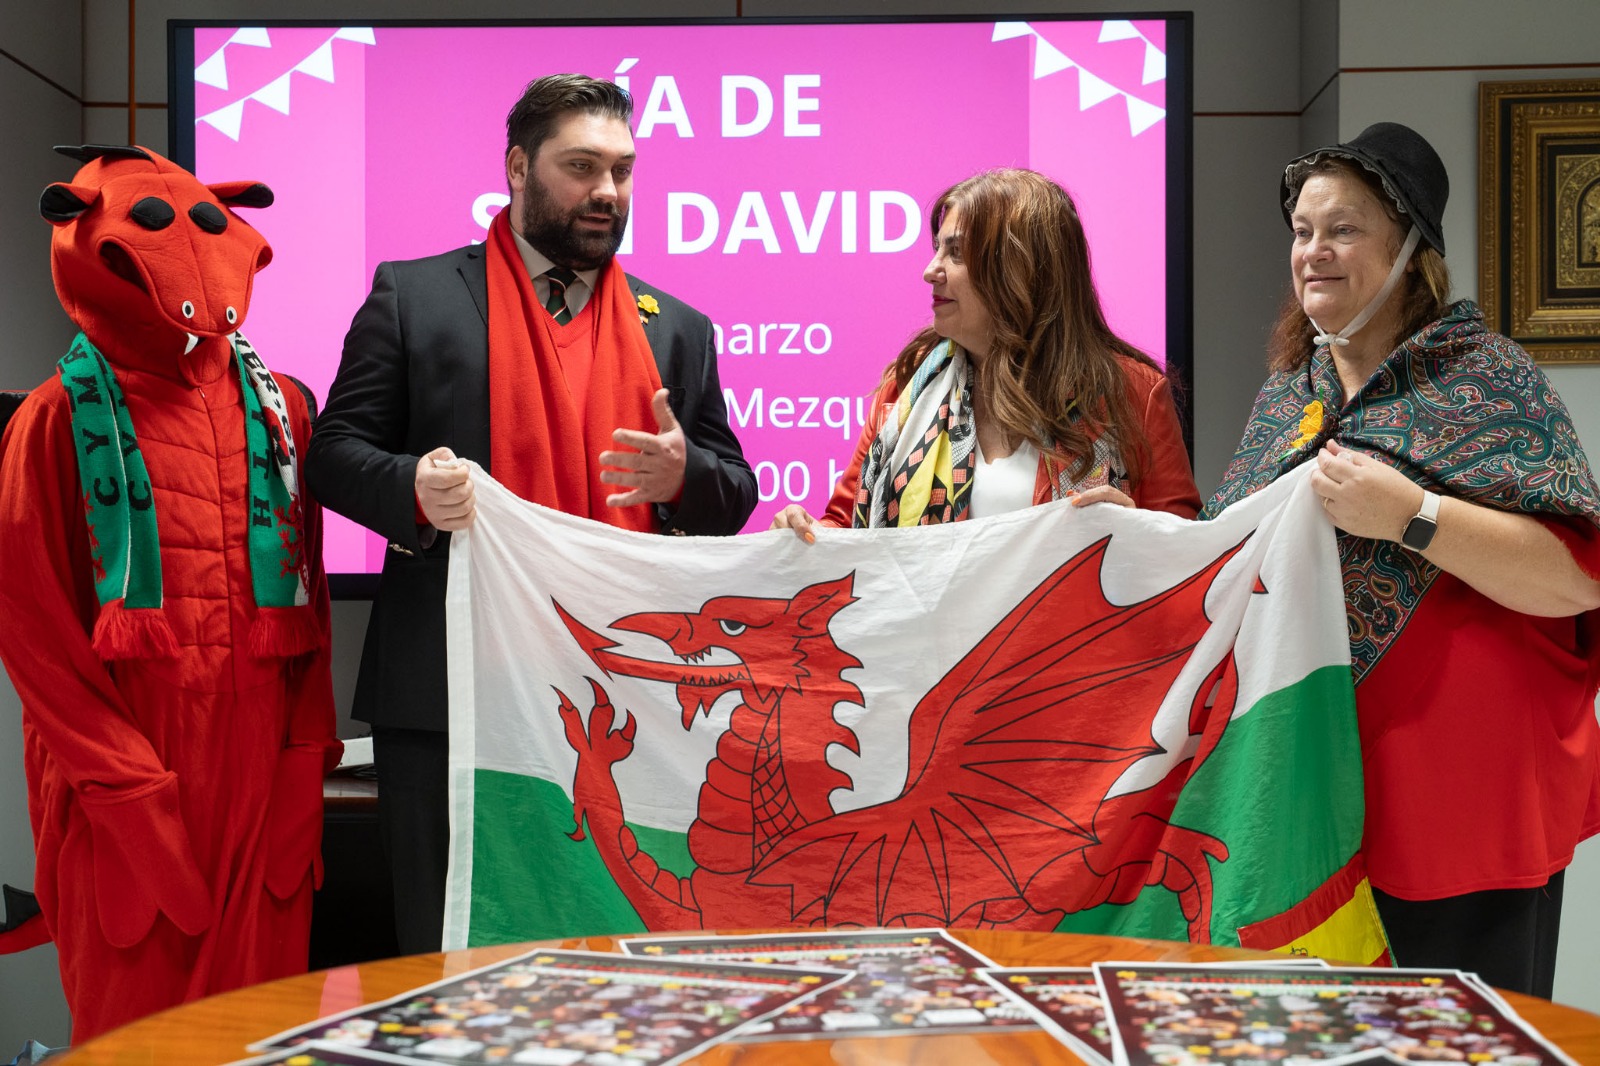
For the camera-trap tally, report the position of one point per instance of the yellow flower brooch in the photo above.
(1310, 425)
(647, 307)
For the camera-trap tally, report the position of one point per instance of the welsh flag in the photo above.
(1089, 719)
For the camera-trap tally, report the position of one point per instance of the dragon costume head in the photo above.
(150, 263)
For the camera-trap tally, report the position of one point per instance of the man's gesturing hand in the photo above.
(445, 492)
(653, 470)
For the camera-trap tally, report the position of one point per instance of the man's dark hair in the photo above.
(546, 100)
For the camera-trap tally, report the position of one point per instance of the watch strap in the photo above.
(1419, 531)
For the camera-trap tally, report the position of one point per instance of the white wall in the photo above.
(1271, 79)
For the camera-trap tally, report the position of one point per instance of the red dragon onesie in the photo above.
(176, 727)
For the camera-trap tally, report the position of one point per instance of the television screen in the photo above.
(784, 178)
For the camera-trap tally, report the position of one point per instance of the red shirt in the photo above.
(1481, 775)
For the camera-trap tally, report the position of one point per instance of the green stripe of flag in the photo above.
(1265, 791)
(516, 819)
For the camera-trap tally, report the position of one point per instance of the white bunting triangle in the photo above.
(1142, 115)
(214, 71)
(1093, 90)
(318, 64)
(275, 94)
(1117, 30)
(226, 120)
(1155, 64)
(1047, 58)
(1005, 31)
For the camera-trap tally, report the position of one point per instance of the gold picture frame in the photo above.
(1539, 210)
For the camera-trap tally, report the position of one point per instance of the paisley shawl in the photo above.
(1458, 409)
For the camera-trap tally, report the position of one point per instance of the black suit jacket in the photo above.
(414, 376)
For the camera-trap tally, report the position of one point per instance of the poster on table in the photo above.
(1176, 1015)
(906, 981)
(568, 1007)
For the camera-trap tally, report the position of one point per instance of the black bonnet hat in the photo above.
(1411, 171)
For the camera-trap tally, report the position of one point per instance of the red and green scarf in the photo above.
(119, 505)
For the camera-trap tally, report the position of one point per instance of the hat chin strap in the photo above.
(1342, 337)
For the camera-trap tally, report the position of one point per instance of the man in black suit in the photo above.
(575, 385)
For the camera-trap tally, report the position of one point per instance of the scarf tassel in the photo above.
(285, 632)
(133, 633)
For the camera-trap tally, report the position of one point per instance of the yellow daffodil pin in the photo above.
(1310, 425)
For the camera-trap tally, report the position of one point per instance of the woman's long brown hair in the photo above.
(1053, 373)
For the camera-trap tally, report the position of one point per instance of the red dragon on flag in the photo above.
(1021, 804)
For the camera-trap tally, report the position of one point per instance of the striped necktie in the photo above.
(559, 278)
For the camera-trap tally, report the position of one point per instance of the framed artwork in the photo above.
(1539, 189)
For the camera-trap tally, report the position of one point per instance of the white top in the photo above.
(578, 292)
(1004, 484)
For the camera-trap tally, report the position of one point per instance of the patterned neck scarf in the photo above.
(119, 505)
(920, 467)
(1457, 409)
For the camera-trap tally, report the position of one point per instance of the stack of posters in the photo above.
(906, 981)
(665, 999)
(558, 1008)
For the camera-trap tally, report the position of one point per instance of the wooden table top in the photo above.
(217, 1030)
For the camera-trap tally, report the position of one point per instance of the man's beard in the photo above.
(559, 237)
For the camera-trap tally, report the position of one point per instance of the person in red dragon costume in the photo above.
(163, 609)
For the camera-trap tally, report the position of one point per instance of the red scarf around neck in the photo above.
(540, 445)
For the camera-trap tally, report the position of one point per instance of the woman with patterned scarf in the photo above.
(1469, 535)
(1018, 393)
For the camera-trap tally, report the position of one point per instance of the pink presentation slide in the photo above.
(783, 183)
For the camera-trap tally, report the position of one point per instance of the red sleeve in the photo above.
(841, 505)
(1581, 538)
(310, 747)
(1168, 481)
(312, 721)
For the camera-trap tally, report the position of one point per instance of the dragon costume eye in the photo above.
(153, 213)
(209, 217)
(730, 627)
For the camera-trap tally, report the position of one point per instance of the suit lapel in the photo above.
(471, 389)
(474, 272)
